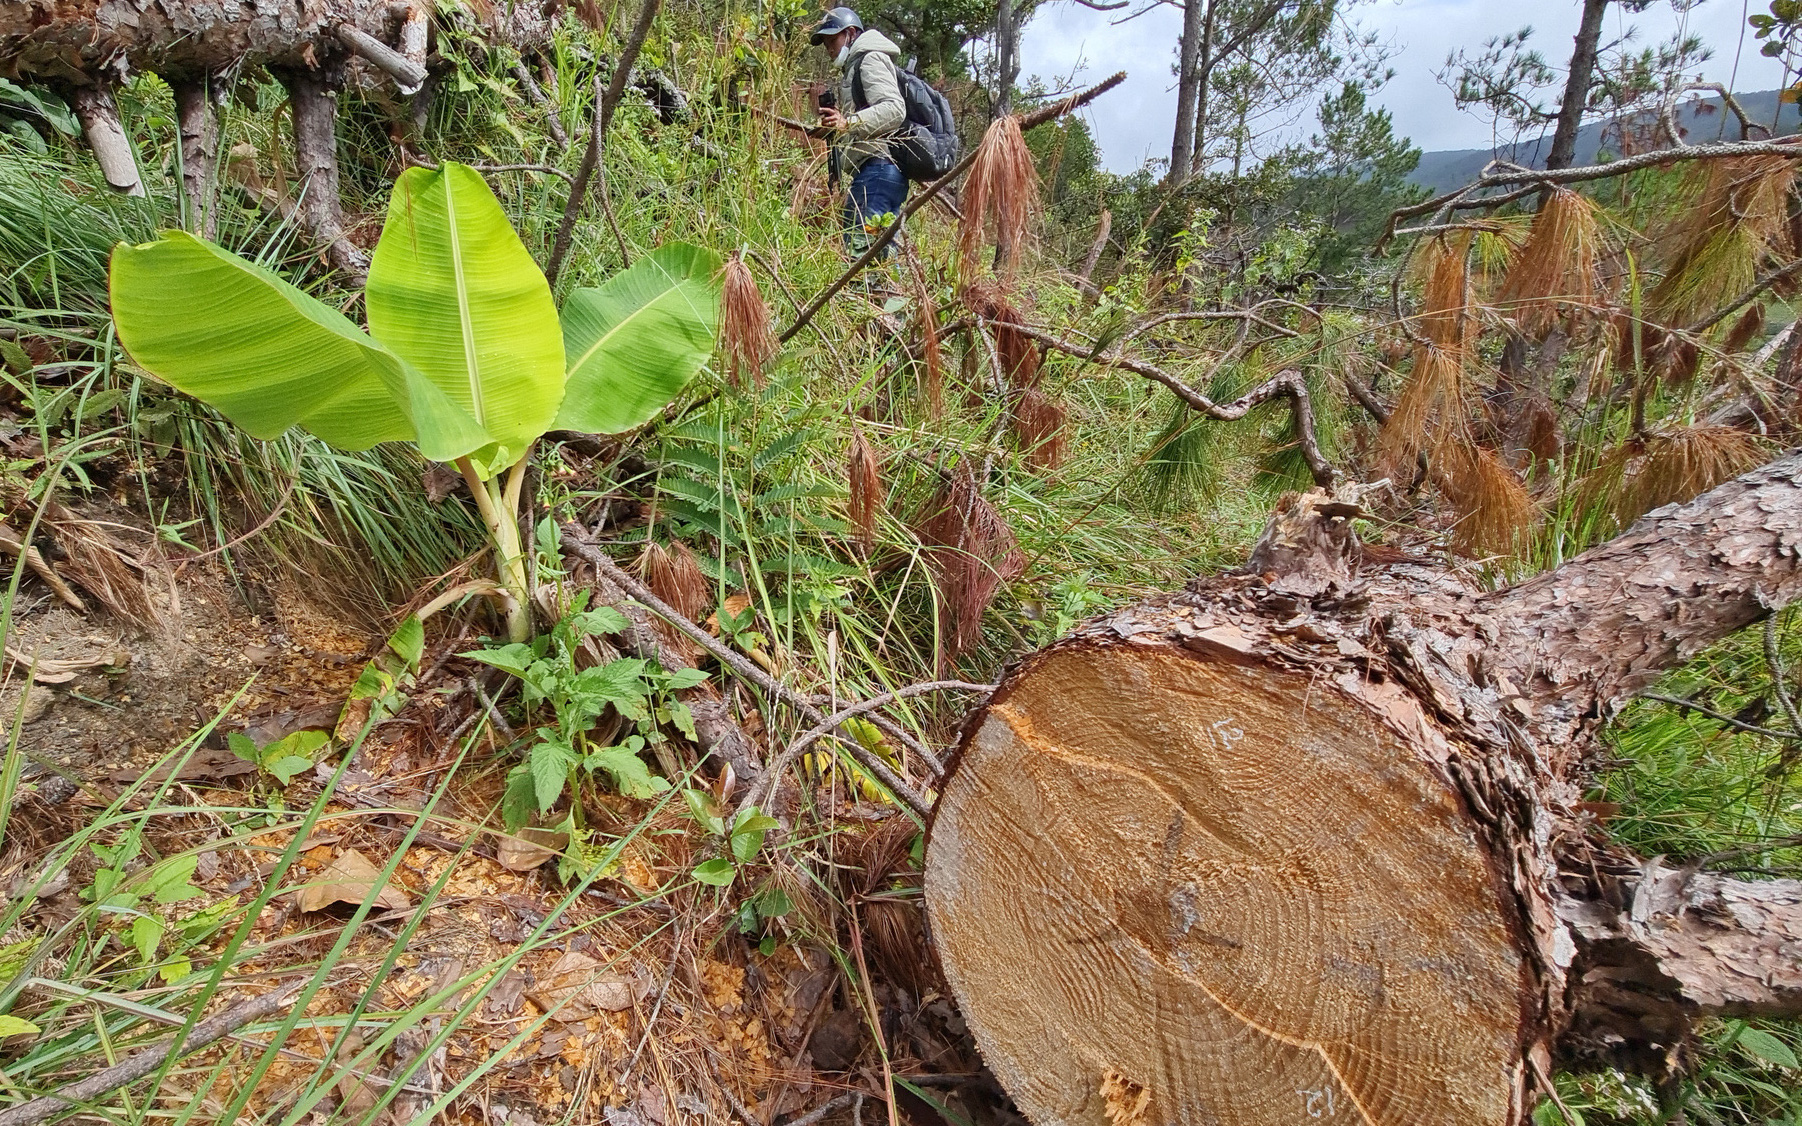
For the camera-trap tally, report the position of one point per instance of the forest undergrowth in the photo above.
(910, 490)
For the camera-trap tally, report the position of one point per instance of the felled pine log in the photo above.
(87, 48)
(1305, 841)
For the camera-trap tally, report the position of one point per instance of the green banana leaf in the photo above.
(453, 292)
(637, 340)
(268, 356)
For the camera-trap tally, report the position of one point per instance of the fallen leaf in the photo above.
(578, 985)
(529, 848)
(349, 878)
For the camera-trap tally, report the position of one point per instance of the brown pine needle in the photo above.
(1555, 273)
(745, 334)
(1003, 185)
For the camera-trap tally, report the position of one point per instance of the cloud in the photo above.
(1135, 121)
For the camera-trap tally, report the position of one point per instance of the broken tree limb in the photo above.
(1284, 385)
(150, 1060)
(718, 733)
(1307, 836)
(740, 666)
(605, 105)
(535, 92)
(313, 95)
(199, 127)
(99, 116)
(14, 545)
(834, 721)
(1534, 179)
(408, 74)
(1031, 120)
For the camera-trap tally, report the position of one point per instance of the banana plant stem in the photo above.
(503, 532)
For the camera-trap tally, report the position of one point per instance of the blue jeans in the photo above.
(877, 188)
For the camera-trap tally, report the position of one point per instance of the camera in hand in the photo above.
(828, 98)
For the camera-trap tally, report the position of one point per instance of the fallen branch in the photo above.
(832, 723)
(742, 667)
(1536, 178)
(148, 1061)
(14, 546)
(536, 93)
(407, 74)
(1287, 385)
(597, 137)
(1027, 121)
(1746, 298)
(99, 116)
(1721, 717)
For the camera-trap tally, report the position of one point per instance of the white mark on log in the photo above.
(1319, 1102)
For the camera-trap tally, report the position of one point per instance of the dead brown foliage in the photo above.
(1040, 427)
(1555, 273)
(745, 335)
(1669, 466)
(1018, 354)
(1002, 186)
(1444, 271)
(1491, 500)
(1734, 215)
(971, 551)
(674, 575)
(864, 475)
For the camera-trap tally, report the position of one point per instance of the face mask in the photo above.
(843, 54)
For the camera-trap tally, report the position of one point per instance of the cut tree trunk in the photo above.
(75, 41)
(1305, 841)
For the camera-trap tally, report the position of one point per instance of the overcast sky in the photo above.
(1134, 121)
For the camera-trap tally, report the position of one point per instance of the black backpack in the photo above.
(926, 147)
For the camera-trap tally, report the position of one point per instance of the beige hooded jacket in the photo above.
(876, 59)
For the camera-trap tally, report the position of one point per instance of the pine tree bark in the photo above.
(199, 152)
(1306, 841)
(1576, 85)
(75, 41)
(1189, 77)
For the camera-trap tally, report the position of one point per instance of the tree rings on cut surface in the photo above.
(1169, 889)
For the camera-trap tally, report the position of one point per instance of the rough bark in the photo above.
(74, 41)
(112, 149)
(314, 97)
(199, 153)
(1189, 78)
(1576, 85)
(1306, 838)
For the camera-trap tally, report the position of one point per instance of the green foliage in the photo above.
(286, 757)
(1352, 174)
(577, 696)
(465, 354)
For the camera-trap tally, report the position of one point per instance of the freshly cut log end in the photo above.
(1177, 885)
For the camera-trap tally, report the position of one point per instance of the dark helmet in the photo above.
(837, 20)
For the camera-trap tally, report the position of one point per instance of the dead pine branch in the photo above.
(13, 545)
(1027, 121)
(150, 1060)
(1510, 175)
(1284, 385)
(832, 723)
(740, 666)
(605, 106)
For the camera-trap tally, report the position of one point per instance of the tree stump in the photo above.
(1304, 842)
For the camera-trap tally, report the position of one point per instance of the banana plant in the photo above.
(465, 356)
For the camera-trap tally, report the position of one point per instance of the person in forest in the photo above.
(871, 87)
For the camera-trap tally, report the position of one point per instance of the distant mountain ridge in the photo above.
(1701, 120)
